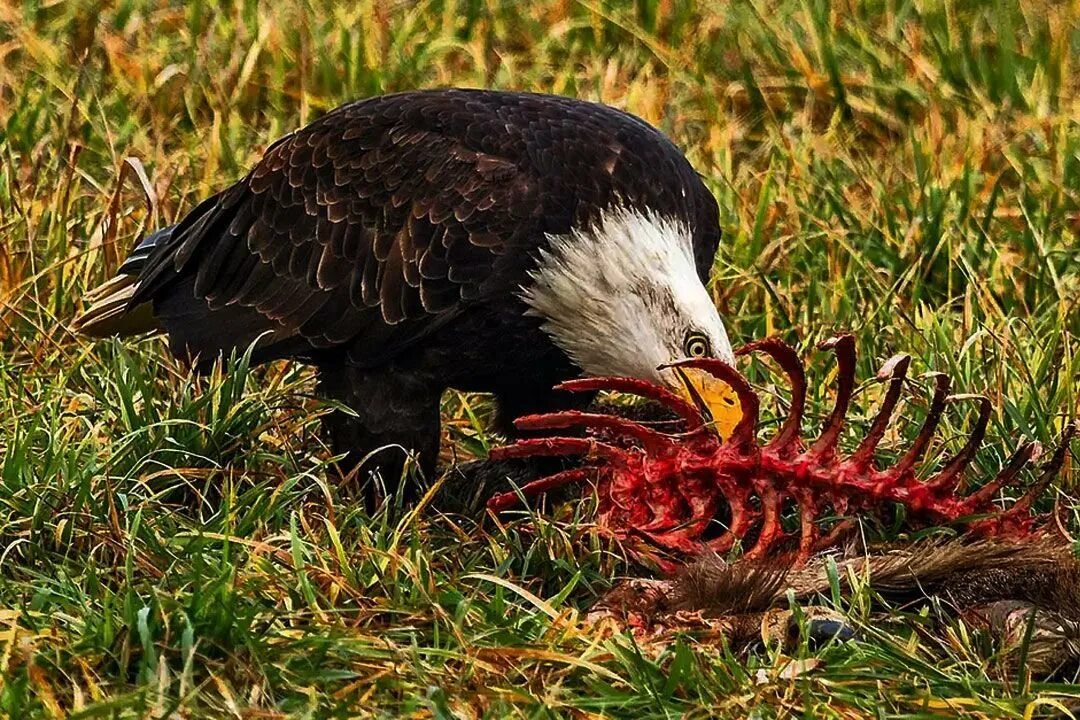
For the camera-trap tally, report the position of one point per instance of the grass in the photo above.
(908, 171)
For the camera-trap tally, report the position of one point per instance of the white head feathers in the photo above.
(623, 296)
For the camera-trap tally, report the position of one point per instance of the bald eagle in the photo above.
(486, 241)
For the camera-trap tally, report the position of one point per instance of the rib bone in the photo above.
(669, 488)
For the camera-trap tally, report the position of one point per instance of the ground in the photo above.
(170, 545)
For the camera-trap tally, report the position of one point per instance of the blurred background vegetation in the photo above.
(906, 170)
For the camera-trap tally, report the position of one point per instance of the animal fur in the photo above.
(994, 585)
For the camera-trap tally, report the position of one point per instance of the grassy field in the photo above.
(908, 171)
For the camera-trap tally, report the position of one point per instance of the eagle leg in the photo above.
(387, 430)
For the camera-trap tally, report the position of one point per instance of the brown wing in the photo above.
(387, 216)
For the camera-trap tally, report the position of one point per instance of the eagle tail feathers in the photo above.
(108, 307)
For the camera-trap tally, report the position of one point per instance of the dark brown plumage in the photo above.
(387, 241)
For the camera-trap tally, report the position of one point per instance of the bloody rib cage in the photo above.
(672, 489)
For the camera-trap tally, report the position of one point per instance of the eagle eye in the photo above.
(697, 346)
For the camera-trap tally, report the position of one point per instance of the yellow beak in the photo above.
(713, 397)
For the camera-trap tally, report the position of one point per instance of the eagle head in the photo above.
(622, 297)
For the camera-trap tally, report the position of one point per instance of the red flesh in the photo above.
(670, 488)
